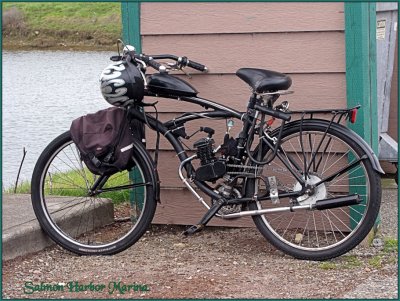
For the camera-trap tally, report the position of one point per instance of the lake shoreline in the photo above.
(22, 47)
(45, 43)
(61, 26)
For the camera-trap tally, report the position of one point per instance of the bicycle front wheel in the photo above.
(315, 153)
(103, 223)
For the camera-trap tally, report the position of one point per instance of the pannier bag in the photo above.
(104, 140)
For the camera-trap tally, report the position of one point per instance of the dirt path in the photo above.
(217, 263)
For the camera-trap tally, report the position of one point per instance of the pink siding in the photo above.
(302, 52)
(305, 40)
(309, 89)
(200, 18)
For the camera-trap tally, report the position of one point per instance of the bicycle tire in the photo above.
(56, 212)
(294, 243)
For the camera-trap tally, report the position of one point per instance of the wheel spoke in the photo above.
(83, 220)
(323, 153)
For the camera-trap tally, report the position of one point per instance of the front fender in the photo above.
(345, 131)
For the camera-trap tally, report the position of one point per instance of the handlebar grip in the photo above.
(196, 66)
(274, 113)
(156, 65)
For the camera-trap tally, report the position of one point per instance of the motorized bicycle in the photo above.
(311, 185)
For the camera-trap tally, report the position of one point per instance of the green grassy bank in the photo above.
(73, 183)
(65, 25)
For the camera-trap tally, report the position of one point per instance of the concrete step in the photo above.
(21, 230)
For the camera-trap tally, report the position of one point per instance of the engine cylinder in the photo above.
(205, 150)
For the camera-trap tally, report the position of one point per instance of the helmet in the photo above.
(122, 84)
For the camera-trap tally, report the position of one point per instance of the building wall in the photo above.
(304, 40)
(394, 100)
(393, 129)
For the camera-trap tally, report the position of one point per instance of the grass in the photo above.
(70, 16)
(61, 25)
(375, 262)
(327, 265)
(58, 184)
(351, 262)
(345, 262)
(390, 245)
(23, 187)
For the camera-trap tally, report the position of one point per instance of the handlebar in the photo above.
(184, 61)
(151, 61)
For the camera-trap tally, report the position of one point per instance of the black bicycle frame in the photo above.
(218, 112)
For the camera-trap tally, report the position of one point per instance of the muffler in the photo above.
(348, 200)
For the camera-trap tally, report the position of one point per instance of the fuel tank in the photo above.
(166, 84)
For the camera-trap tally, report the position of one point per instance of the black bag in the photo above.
(105, 140)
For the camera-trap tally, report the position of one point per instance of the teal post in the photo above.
(130, 12)
(360, 35)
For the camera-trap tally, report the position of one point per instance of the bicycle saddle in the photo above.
(264, 80)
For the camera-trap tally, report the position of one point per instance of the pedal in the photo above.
(192, 230)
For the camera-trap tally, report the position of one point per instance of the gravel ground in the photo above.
(216, 263)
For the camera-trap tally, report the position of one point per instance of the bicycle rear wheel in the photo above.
(318, 234)
(86, 223)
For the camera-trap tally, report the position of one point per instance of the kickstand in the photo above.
(206, 218)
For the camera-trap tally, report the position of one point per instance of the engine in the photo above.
(211, 168)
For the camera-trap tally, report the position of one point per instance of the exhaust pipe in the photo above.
(319, 205)
(348, 200)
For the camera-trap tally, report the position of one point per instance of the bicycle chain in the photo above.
(255, 168)
(280, 184)
(243, 166)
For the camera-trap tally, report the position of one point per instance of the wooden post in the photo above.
(360, 36)
(130, 13)
(131, 24)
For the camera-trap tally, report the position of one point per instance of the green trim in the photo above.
(360, 35)
(1, 152)
(130, 14)
(149, 1)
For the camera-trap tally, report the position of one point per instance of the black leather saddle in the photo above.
(264, 80)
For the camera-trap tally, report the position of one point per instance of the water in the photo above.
(43, 91)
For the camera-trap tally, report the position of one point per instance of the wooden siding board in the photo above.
(169, 163)
(303, 52)
(206, 18)
(311, 91)
(305, 40)
(180, 207)
(218, 125)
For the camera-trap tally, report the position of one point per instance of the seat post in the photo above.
(246, 125)
(252, 102)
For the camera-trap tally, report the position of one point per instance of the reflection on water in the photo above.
(43, 91)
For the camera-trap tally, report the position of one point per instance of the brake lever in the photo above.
(187, 73)
(172, 66)
(177, 66)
